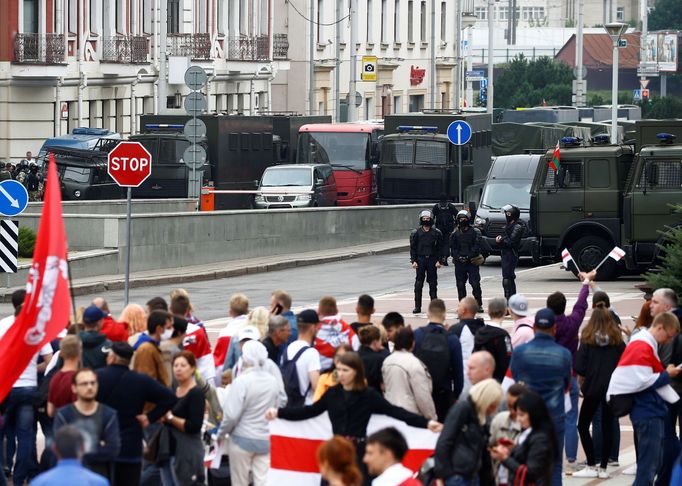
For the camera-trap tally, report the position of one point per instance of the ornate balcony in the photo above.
(128, 49)
(280, 47)
(248, 48)
(39, 48)
(195, 46)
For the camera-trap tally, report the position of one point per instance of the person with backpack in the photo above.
(441, 352)
(468, 250)
(510, 242)
(492, 338)
(301, 361)
(465, 330)
(522, 330)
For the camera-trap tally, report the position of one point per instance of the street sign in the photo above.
(474, 76)
(636, 94)
(644, 83)
(194, 156)
(484, 83)
(13, 197)
(645, 93)
(622, 43)
(129, 164)
(195, 78)
(9, 246)
(459, 132)
(195, 103)
(369, 68)
(195, 128)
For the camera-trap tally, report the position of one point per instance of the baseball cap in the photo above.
(93, 314)
(544, 319)
(249, 332)
(518, 305)
(122, 350)
(309, 316)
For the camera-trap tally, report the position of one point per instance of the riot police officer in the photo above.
(466, 247)
(426, 256)
(510, 242)
(444, 213)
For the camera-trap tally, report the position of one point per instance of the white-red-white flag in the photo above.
(293, 447)
(617, 253)
(566, 257)
(45, 312)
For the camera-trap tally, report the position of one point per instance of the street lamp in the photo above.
(615, 31)
(468, 21)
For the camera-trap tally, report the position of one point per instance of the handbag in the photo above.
(478, 260)
(621, 405)
(520, 476)
(157, 449)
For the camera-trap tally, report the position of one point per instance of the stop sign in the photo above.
(129, 164)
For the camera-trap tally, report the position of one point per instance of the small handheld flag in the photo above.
(617, 254)
(555, 163)
(566, 258)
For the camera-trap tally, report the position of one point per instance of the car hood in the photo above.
(284, 189)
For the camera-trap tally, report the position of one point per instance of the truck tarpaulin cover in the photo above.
(514, 138)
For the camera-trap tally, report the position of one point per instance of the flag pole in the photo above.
(602, 262)
(73, 297)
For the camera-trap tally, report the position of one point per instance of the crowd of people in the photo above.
(27, 171)
(139, 399)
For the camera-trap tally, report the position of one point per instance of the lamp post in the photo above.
(468, 22)
(615, 31)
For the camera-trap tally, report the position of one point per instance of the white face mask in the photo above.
(167, 334)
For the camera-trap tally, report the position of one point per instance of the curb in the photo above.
(177, 278)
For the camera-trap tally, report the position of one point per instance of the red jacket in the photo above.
(114, 331)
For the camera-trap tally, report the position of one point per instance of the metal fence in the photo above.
(248, 48)
(124, 49)
(195, 46)
(280, 46)
(39, 48)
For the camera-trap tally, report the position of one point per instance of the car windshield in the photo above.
(287, 177)
(350, 151)
(76, 174)
(499, 193)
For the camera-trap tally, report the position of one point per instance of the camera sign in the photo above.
(369, 68)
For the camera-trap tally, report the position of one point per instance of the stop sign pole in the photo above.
(129, 164)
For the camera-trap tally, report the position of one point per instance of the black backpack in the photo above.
(434, 352)
(295, 398)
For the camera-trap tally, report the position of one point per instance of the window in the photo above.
(384, 22)
(397, 152)
(120, 16)
(397, 102)
(662, 174)
(370, 21)
(221, 16)
(422, 21)
(416, 103)
(598, 173)
(481, 13)
(410, 21)
(443, 18)
(202, 17)
(431, 153)
(620, 14)
(173, 16)
(396, 21)
(147, 16)
(320, 20)
(369, 109)
(73, 16)
(341, 26)
(572, 172)
(94, 16)
(30, 16)
(108, 29)
(532, 13)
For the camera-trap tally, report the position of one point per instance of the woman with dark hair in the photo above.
(532, 459)
(373, 354)
(350, 405)
(336, 459)
(601, 345)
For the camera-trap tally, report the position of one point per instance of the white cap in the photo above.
(249, 332)
(519, 305)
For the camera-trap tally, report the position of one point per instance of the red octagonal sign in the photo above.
(129, 164)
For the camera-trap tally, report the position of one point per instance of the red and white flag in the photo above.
(617, 253)
(197, 343)
(293, 447)
(566, 257)
(45, 312)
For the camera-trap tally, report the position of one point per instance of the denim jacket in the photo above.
(545, 367)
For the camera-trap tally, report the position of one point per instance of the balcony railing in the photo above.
(280, 46)
(248, 48)
(195, 46)
(39, 48)
(124, 49)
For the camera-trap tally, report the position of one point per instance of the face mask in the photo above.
(167, 334)
(509, 217)
(427, 222)
(462, 223)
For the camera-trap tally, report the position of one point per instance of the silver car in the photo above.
(296, 186)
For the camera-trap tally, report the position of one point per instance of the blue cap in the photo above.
(544, 319)
(93, 314)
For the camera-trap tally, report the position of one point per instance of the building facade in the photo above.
(96, 63)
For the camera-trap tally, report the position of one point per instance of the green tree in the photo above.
(662, 108)
(525, 83)
(667, 15)
(668, 273)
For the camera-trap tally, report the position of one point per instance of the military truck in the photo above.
(417, 162)
(607, 195)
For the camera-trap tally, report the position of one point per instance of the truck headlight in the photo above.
(259, 198)
(303, 197)
(479, 222)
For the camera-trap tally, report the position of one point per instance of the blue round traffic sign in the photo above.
(13, 197)
(459, 132)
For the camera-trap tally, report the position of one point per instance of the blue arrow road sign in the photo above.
(459, 132)
(13, 197)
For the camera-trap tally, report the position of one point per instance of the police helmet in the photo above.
(425, 215)
(511, 211)
(462, 215)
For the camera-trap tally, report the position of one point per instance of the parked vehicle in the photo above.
(296, 186)
(80, 138)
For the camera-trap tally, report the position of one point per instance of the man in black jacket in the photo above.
(127, 391)
(466, 244)
(426, 257)
(444, 213)
(494, 339)
(510, 241)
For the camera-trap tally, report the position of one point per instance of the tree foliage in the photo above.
(668, 273)
(667, 15)
(662, 108)
(525, 83)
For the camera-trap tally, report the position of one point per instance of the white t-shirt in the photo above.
(307, 362)
(30, 375)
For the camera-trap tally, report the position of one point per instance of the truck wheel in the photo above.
(588, 251)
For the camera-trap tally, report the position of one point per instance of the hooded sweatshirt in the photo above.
(95, 349)
(596, 362)
(496, 341)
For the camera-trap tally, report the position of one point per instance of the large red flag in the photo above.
(46, 308)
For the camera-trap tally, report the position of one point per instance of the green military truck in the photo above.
(610, 195)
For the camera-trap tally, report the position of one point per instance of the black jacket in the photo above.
(445, 217)
(596, 364)
(126, 391)
(536, 454)
(349, 412)
(511, 236)
(95, 347)
(468, 244)
(426, 243)
(373, 361)
(497, 342)
(459, 450)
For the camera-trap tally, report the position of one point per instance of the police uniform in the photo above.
(426, 251)
(466, 243)
(510, 244)
(444, 214)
